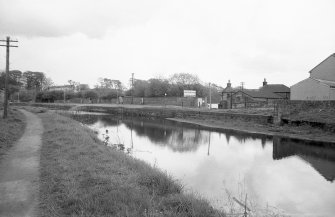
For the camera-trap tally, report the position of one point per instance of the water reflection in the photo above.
(168, 134)
(319, 156)
(294, 176)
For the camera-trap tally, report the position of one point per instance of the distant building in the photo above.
(278, 89)
(61, 88)
(226, 99)
(232, 97)
(255, 95)
(320, 85)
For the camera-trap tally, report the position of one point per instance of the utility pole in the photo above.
(64, 95)
(132, 88)
(210, 96)
(243, 96)
(5, 105)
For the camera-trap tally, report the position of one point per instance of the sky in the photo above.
(217, 40)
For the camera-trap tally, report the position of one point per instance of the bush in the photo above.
(49, 96)
(110, 95)
(26, 96)
(91, 94)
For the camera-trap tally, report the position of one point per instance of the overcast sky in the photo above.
(218, 40)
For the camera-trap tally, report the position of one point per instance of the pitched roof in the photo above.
(332, 55)
(275, 88)
(265, 94)
(228, 90)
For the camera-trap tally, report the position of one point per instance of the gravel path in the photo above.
(19, 172)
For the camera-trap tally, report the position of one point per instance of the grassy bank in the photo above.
(11, 129)
(82, 177)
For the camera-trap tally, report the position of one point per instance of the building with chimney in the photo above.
(240, 97)
(227, 99)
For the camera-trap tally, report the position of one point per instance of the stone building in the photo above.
(267, 94)
(278, 89)
(320, 85)
(226, 98)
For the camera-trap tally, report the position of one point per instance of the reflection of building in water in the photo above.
(319, 156)
(324, 167)
(243, 137)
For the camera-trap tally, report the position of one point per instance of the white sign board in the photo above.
(189, 93)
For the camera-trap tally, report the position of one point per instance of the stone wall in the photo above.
(320, 114)
(288, 107)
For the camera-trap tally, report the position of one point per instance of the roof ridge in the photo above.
(332, 55)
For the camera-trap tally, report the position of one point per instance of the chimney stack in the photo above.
(228, 84)
(265, 82)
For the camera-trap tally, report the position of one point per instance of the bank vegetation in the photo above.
(11, 129)
(82, 177)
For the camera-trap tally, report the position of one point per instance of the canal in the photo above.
(278, 175)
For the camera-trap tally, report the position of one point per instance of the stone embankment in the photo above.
(319, 114)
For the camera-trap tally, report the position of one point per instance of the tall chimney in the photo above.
(228, 84)
(264, 82)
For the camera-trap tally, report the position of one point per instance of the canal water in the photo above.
(279, 176)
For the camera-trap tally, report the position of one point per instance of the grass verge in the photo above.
(11, 129)
(82, 177)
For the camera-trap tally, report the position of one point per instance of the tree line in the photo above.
(39, 87)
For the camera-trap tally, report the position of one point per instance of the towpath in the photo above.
(19, 172)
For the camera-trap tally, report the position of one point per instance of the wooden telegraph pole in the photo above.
(210, 96)
(5, 105)
(132, 88)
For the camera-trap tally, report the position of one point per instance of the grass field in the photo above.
(82, 177)
(11, 129)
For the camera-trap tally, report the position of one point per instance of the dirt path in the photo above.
(19, 172)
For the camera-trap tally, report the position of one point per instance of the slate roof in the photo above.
(229, 90)
(264, 94)
(275, 88)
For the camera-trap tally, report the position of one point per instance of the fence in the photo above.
(175, 101)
